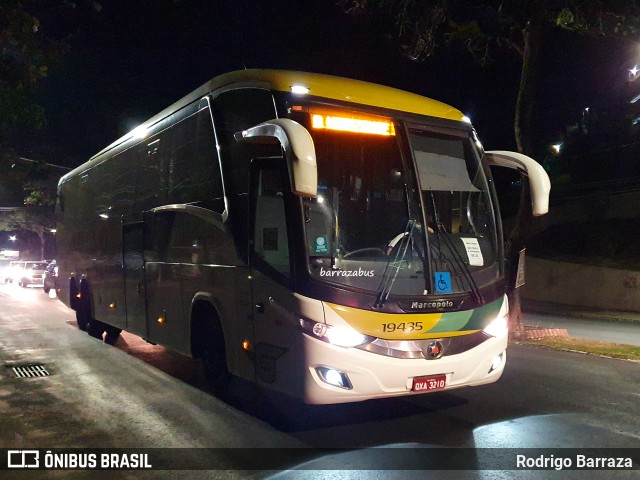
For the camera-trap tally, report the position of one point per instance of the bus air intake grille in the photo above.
(30, 371)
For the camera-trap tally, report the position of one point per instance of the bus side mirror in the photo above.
(298, 147)
(539, 182)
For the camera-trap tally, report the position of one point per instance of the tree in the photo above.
(36, 219)
(518, 26)
(36, 183)
(34, 35)
(521, 27)
(24, 58)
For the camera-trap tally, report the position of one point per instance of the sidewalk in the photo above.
(545, 319)
(548, 308)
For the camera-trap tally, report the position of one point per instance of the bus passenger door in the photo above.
(163, 264)
(276, 348)
(133, 265)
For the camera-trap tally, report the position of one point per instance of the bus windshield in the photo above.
(422, 226)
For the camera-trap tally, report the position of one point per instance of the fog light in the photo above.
(334, 377)
(496, 363)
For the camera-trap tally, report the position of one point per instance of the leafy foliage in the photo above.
(24, 58)
(36, 219)
(482, 26)
(34, 36)
(514, 25)
(29, 46)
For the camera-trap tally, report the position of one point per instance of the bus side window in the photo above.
(193, 170)
(270, 241)
(149, 189)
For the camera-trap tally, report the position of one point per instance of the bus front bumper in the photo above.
(340, 375)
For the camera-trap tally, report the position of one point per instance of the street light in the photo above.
(556, 147)
(13, 238)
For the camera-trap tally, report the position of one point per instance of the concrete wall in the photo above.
(582, 285)
(589, 208)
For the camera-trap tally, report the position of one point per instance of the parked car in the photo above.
(50, 276)
(32, 274)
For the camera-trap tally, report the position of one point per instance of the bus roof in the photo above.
(343, 89)
(319, 85)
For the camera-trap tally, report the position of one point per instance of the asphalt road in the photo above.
(135, 395)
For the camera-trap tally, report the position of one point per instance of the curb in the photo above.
(544, 333)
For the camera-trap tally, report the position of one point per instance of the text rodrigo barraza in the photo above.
(579, 462)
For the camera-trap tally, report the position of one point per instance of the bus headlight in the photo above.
(497, 328)
(345, 337)
(500, 325)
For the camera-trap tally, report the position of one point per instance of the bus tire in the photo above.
(83, 316)
(112, 335)
(214, 363)
(95, 328)
(212, 349)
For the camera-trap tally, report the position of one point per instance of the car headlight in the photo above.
(345, 337)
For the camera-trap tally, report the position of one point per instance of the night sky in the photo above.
(135, 58)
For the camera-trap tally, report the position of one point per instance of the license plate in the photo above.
(427, 384)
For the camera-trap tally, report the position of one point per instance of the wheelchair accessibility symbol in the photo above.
(442, 282)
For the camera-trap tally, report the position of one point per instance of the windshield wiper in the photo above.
(401, 251)
(463, 270)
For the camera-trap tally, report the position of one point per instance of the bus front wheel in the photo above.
(112, 335)
(95, 328)
(214, 357)
(83, 315)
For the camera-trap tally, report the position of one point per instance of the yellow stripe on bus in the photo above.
(398, 326)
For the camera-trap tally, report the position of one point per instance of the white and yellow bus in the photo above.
(331, 239)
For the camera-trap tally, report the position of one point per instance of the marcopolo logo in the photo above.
(23, 459)
(437, 305)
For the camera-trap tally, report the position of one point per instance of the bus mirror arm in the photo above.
(539, 182)
(298, 147)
